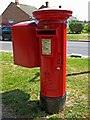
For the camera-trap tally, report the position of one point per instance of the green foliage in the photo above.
(76, 27)
(87, 27)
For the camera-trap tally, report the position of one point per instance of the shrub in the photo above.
(87, 27)
(76, 27)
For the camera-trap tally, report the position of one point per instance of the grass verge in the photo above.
(20, 90)
(77, 37)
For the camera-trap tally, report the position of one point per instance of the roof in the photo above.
(72, 18)
(28, 9)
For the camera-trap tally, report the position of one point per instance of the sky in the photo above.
(79, 7)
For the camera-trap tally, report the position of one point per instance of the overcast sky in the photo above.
(79, 7)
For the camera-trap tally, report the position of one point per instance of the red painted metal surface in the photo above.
(52, 43)
(25, 44)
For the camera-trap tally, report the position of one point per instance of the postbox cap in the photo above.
(52, 13)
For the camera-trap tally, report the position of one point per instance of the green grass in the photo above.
(21, 87)
(78, 36)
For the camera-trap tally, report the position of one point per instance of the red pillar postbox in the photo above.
(51, 31)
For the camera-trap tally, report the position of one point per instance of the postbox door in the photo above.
(51, 70)
(53, 64)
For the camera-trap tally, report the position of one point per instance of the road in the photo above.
(6, 46)
(80, 48)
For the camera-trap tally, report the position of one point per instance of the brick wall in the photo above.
(13, 12)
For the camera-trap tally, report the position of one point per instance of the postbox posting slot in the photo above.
(46, 32)
(46, 46)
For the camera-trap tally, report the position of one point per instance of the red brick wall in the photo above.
(15, 13)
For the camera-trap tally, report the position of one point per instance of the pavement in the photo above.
(79, 40)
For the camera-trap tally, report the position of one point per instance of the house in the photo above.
(16, 12)
(72, 18)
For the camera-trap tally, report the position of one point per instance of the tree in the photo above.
(76, 27)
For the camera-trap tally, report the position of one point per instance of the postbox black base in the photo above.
(52, 105)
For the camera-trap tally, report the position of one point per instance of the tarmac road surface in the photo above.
(81, 48)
